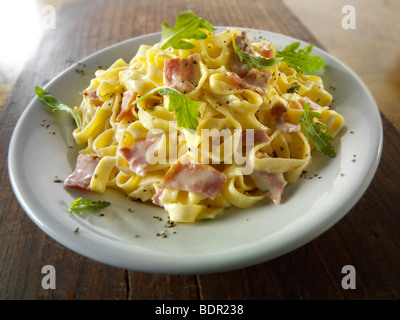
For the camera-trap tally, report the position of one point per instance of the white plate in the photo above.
(235, 239)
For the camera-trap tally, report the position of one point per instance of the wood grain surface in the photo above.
(367, 237)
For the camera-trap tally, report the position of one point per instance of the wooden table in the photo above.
(366, 238)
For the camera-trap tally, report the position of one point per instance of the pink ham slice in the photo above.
(287, 127)
(92, 97)
(255, 80)
(266, 49)
(193, 177)
(246, 78)
(300, 104)
(279, 112)
(181, 74)
(259, 136)
(126, 108)
(82, 175)
(271, 183)
(136, 156)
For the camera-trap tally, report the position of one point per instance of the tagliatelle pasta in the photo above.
(249, 142)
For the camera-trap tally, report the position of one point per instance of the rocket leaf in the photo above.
(300, 60)
(315, 130)
(188, 26)
(56, 105)
(186, 109)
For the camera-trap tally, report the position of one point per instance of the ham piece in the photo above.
(279, 112)
(258, 136)
(182, 74)
(92, 97)
(255, 80)
(271, 183)
(266, 49)
(82, 175)
(247, 78)
(126, 108)
(136, 156)
(193, 177)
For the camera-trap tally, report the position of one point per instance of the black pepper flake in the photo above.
(81, 72)
(170, 224)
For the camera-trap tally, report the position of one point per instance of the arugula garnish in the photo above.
(301, 60)
(186, 109)
(188, 26)
(316, 130)
(56, 105)
(254, 61)
(83, 206)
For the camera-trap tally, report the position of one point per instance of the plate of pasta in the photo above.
(207, 153)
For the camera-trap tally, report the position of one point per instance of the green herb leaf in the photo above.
(188, 26)
(82, 206)
(301, 60)
(294, 88)
(56, 105)
(316, 131)
(254, 61)
(186, 109)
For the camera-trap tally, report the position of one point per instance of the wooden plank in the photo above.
(364, 238)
